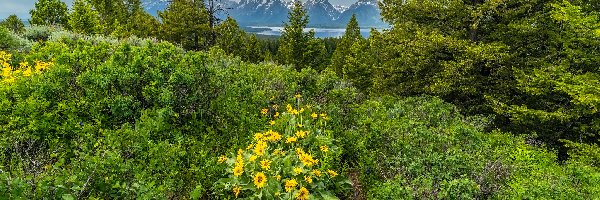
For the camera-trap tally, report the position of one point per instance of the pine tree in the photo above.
(186, 22)
(49, 12)
(84, 19)
(254, 51)
(351, 36)
(144, 25)
(14, 24)
(230, 37)
(298, 48)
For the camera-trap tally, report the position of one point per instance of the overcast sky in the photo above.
(22, 7)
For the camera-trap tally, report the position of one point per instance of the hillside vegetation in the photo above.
(441, 106)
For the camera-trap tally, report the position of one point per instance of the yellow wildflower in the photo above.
(260, 148)
(332, 173)
(301, 110)
(291, 139)
(238, 170)
(264, 111)
(314, 115)
(276, 114)
(308, 179)
(303, 194)
(316, 172)
(258, 136)
(260, 180)
(273, 136)
(297, 170)
(290, 185)
(294, 112)
(298, 96)
(278, 177)
(289, 108)
(265, 164)
(301, 134)
(222, 159)
(324, 148)
(253, 158)
(27, 72)
(300, 125)
(237, 190)
(23, 64)
(307, 159)
(250, 147)
(272, 122)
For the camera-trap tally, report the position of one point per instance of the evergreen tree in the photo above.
(254, 50)
(298, 48)
(231, 37)
(84, 19)
(14, 24)
(49, 12)
(531, 63)
(186, 22)
(351, 36)
(110, 11)
(144, 25)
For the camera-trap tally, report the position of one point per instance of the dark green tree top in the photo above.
(14, 24)
(186, 22)
(84, 19)
(298, 48)
(352, 35)
(49, 12)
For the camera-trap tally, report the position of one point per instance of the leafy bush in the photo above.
(421, 147)
(11, 41)
(39, 33)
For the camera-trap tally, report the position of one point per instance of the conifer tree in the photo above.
(298, 48)
(144, 25)
(351, 36)
(230, 37)
(186, 22)
(49, 12)
(13, 23)
(84, 19)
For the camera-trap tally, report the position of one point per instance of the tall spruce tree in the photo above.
(230, 37)
(297, 47)
(186, 22)
(351, 36)
(13, 23)
(49, 12)
(84, 19)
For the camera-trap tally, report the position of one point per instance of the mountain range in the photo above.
(275, 12)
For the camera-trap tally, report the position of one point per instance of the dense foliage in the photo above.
(457, 100)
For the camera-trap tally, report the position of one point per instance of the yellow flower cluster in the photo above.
(307, 159)
(288, 157)
(9, 75)
(238, 170)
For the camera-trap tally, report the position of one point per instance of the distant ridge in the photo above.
(275, 12)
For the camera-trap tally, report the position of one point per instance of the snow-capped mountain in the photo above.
(367, 13)
(321, 12)
(263, 12)
(275, 12)
(340, 8)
